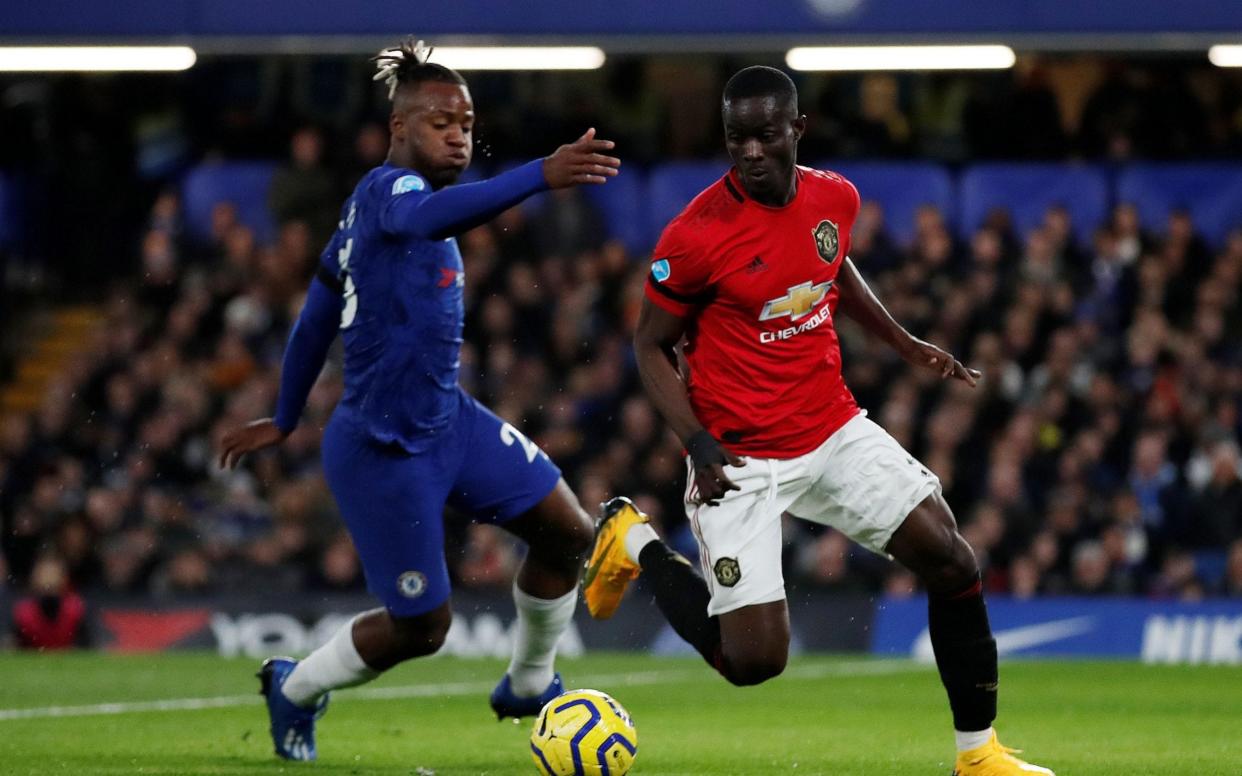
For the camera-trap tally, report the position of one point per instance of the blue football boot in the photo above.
(506, 704)
(293, 727)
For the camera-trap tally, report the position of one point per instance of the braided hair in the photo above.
(407, 64)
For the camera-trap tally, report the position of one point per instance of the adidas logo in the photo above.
(756, 265)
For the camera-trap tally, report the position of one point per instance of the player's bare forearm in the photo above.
(860, 303)
(657, 334)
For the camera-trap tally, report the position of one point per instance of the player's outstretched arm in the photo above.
(582, 161)
(860, 303)
(305, 354)
(457, 209)
(657, 335)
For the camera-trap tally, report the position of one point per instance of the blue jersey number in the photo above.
(509, 435)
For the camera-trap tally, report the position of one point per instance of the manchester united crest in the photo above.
(727, 571)
(827, 242)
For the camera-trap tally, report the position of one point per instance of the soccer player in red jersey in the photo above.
(750, 275)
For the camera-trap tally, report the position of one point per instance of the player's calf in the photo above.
(957, 618)
(558, 534)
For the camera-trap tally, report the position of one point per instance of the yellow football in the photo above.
(583, 733)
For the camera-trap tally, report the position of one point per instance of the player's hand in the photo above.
(710, 457)
(929, 356)
(581, 161)
(255, 435)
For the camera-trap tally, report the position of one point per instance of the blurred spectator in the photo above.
(303, 189)
(881, 127)
(1015, 116)
(1218, 505)
(1095, 571)
(1024, 578)
(370, 150)
(1154, 482)
(51, 615)
(338, 568)
(1176, 578)
(824, 562)
(567, 225)
(490, 559)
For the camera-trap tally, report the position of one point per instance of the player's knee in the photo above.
(419, 636)
(571, 541)
(581, 534)
(953, 569)
(755, 662)
(559, 531)
(743, 671)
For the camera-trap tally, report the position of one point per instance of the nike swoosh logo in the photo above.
(593, 569)
(1013, 640)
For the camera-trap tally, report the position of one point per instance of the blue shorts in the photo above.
(393, 501)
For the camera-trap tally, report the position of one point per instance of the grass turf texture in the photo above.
(824, 716)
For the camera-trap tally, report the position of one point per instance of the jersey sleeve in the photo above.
(854, 199)
(396, 191)
(329, 270)
(854, 206)
(411, 209)
(680, 278)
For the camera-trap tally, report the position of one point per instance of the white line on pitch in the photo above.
(452, 689)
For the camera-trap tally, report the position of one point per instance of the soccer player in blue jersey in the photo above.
(405, 439)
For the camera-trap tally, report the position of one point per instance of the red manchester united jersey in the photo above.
(759, 285)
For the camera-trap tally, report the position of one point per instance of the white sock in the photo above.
(540, 623)
(638, 537)
(972, 740)
(334, 665)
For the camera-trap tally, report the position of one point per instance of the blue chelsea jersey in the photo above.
(402, 316)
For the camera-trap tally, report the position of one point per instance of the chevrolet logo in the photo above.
(800, 300)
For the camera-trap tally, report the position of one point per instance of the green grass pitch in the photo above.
(825, 715)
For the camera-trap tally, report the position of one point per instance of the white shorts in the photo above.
(860, 481)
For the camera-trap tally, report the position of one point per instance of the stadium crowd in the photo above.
(1100, 455)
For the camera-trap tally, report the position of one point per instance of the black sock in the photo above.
(682, 596)
(965, 654)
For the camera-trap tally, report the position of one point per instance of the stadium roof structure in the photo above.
(344, 26)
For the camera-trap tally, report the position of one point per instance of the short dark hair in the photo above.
(407, 64)
(761, 81)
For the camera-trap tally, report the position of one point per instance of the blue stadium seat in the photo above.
(901, 188)
(245, 184)
(1212, 193)
(1028, 190)
(670, 187)
(622, 203)
(619, 201)
(1210, 566)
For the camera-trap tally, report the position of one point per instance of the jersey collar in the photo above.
(733, 183)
